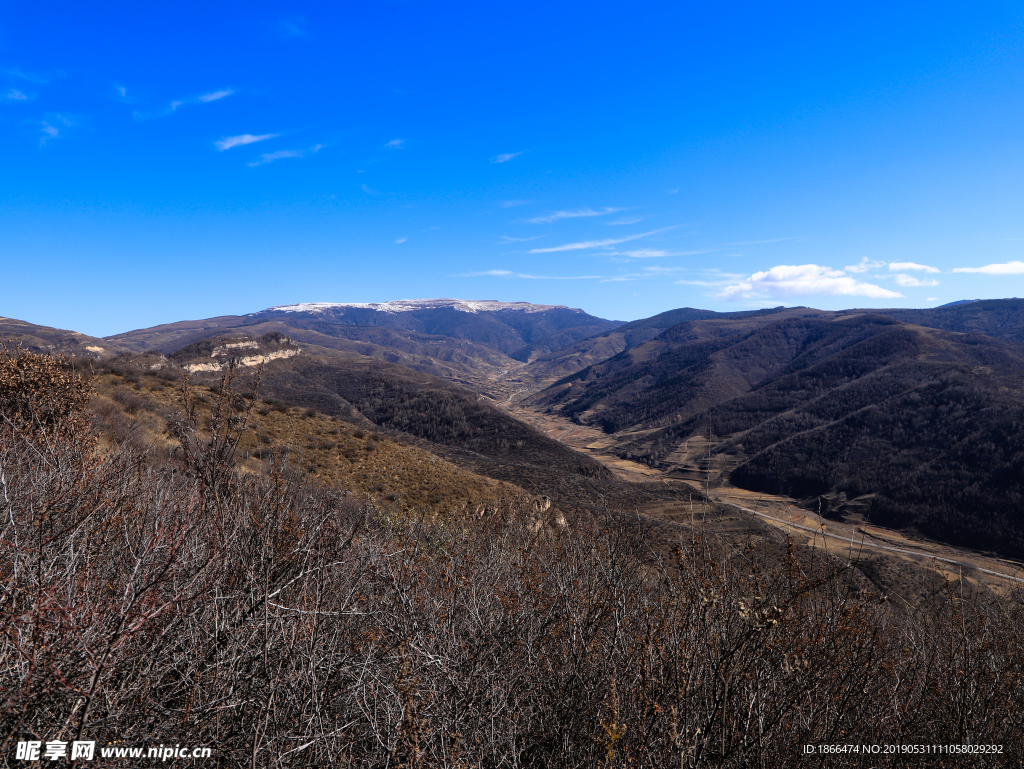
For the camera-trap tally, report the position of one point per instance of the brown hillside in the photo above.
(135, 408)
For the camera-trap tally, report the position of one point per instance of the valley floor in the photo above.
(853, 538)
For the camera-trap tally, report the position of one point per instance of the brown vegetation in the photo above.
(285, 624)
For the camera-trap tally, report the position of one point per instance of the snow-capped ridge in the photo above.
(408, 305)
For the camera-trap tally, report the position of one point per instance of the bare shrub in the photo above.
(286, 625)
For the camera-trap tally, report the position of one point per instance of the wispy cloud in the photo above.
(396, 144)
(270, 157)
(50, 129)
(507, 239)
(215, 95)
(399, 241)
(785, 281)
(656, 253)
(32, 77)
(173, 106)
(626, 220)
(513, 203)
(293, 26)
(909, 281)
(237, 141)
(554, 216)
(1004, 268)
(121, 91)
(904, 266)
(586, 244)
(759, 242)
(505, 157)
(368, 190)
(49, 132)
(527, 276)
(16, 95)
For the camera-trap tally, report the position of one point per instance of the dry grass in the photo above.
(319, 449)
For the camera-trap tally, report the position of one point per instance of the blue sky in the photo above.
(190, 160)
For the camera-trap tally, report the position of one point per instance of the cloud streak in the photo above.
(760, 242)
(396, 144)
(527, 276)
(587, 244)
(242, 139)
(270, 157)
(554, 216)
(16, 95)
(507, 239)
(505, 157)
(1003, 268)
(784, 281)
(215, 96)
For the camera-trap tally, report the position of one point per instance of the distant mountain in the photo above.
(453, 423)
(959, 301)
(43, 339)
(929, 423)
(601, 347)
(1001, 318)
(445, 337)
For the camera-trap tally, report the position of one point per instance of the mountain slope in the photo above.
(599, 348)
(1001, 318)
(43, 339)
(447, 337)
(927, 422)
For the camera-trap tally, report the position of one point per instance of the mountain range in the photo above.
(911, 418)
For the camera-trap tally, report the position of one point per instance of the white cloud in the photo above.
(627, 220)
(400, 240)
(121, 90)
(396, 144)
(270, 157)
(651, 253)
(909, 281)
(1005, 268)
(505, 157)
(932, 299)
(49, 132)
(785, 280)
(215, 96)
(594, 243)
(554, 216)
(16, 95)
(526, 276)
(864, 265)
(904, 266)
(237, 141)
(507, 239)
(647, 253)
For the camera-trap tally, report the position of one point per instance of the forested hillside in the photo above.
(928, 422)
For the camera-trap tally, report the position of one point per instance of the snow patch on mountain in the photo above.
(408, 305)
